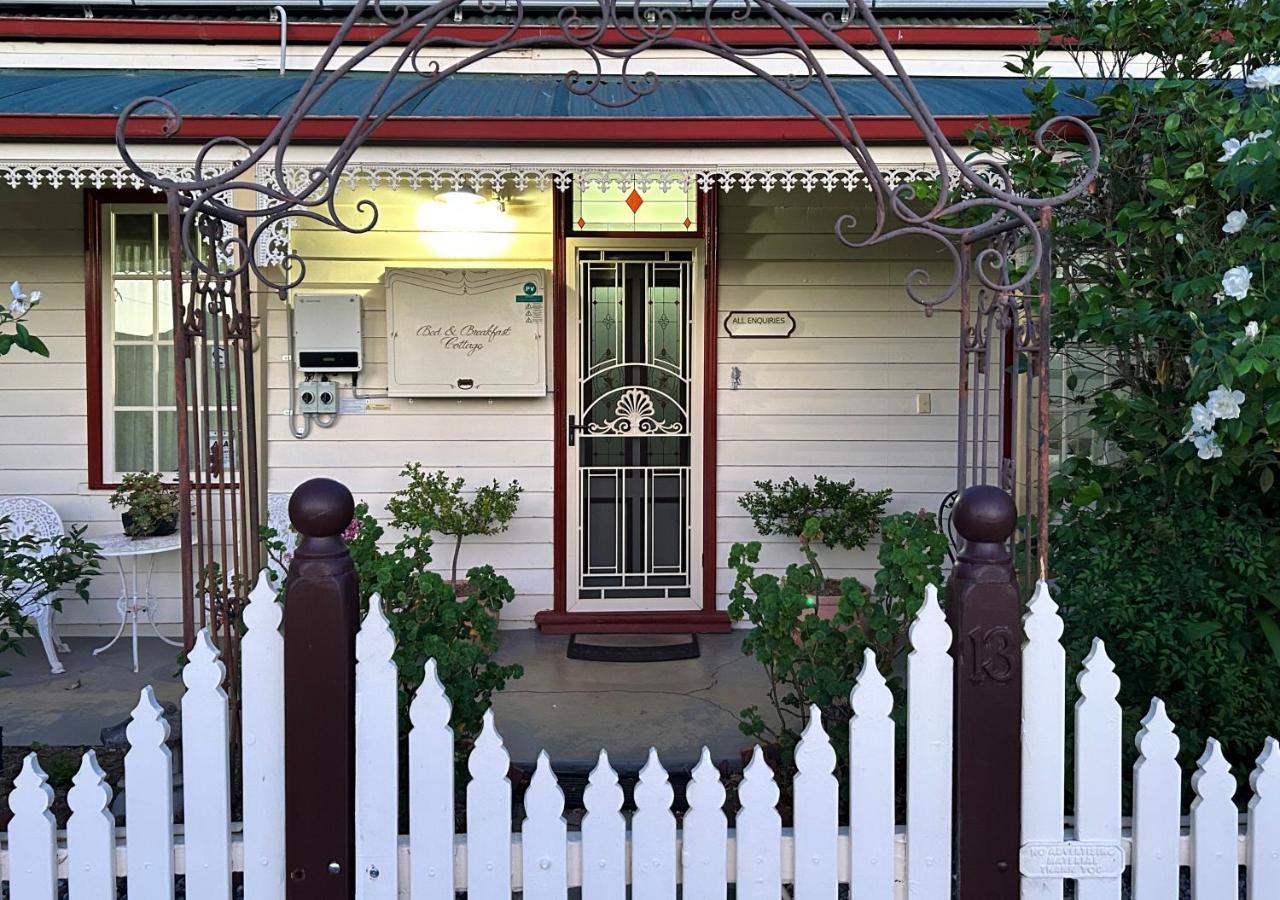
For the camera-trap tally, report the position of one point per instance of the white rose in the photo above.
(1207, 446)
(1224, 403)
(1236, 220)
(18, 308)
(1264, 78)
(1251, 332)
(1201, 418)
(1180, 238)
(1235, 282)
(1230, 147)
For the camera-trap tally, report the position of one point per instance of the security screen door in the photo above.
(635, 487)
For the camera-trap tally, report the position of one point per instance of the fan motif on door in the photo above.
(634, 415)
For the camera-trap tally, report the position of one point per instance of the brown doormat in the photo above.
(633, 648)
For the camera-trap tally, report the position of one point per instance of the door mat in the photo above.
(633, 648)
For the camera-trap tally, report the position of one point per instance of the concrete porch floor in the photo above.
(571, 708)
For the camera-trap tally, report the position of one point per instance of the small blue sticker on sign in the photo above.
(529, 298)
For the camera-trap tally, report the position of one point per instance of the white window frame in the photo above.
(161, 281)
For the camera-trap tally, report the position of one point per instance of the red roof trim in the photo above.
(209, 31)
(523, 130)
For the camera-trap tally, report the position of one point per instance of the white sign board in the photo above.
(466, 332)
(759, 324)
(1071, 859)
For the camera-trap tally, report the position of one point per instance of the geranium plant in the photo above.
(150, 506)
(812, 660)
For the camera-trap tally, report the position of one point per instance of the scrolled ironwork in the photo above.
(971, 197)
(973, 211)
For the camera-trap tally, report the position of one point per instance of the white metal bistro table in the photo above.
(131, 603)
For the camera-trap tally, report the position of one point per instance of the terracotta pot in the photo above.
(824, 606)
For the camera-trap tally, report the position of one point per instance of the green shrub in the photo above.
(1182, 585)
(428, 618)
(811, 660)
(27, 577)
(430, 622)
(831, 513)
(433, 502)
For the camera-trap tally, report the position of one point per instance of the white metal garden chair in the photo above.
(30, 517)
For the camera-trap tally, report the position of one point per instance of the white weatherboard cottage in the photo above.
(530, 246)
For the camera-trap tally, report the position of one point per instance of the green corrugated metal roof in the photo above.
(82, 92)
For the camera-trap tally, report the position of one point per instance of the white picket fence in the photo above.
(651, 852)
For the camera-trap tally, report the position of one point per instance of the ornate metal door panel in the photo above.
(635, 487)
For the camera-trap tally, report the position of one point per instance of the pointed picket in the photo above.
(148, 801)
(489, 816)
(930, 670)
(543, 836)
(205, 750)
(758, 833)
(1263, 860)
(91, 834)
(706, 834)
(1157, 797)
(262, 739)
(871, 785)
(1215, 829)
(1044, 728)
(604, 835)
(33, 846)
(431, 813)
(653, 835)
(377, 758)
(817, 795)
(1097, 773)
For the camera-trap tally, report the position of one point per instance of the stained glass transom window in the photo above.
(636, 205)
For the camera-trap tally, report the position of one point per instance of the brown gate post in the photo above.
(322, 605)
(984, 609)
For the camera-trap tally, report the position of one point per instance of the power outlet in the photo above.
(326, 397)
(307, 398)
(924, 403)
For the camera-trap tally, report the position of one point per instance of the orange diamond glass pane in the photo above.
(635, 201)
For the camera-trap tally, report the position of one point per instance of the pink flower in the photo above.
(349, 533)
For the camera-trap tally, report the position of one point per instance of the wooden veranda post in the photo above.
(322, 606)
(984, 608)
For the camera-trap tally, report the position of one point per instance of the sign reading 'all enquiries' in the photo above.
(466, 332)
(759, 324)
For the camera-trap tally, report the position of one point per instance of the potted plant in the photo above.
(827, 513)
(434, 502)
(150, 506)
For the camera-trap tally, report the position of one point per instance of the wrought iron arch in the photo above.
(992, 233)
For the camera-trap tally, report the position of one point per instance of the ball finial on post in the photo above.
(321, 507)
(984, 514)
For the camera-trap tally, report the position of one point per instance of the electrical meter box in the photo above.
(326, 333)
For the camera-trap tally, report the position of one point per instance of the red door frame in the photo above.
(558, 620)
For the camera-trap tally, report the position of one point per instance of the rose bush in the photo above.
(1169, 282)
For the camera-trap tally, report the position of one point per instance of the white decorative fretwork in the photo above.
(414, 175)
(634, 415)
